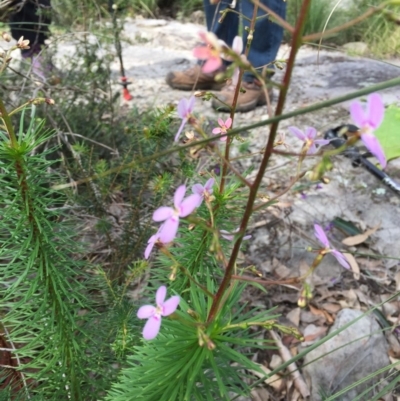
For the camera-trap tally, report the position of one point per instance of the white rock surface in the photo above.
(353, 354)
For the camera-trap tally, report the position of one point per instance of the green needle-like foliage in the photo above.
(190, 360)
(42, 280)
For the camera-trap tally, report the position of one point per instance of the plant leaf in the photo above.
(388, 133)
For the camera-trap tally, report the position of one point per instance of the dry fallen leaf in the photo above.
(353, 264)
(294, 316)
(331, 307)
(397, 279)
(350, 301)
(360, 238)
(274, 381)
(313, 332)
(319, 312)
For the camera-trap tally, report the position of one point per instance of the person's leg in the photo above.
(263, 50)
(229, 27)
(267, 36)
(32, 22)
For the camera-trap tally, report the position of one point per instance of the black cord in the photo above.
(338, 137)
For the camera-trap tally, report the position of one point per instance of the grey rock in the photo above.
(353, 354)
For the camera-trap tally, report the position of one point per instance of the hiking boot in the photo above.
(193, 79)
(253, 96)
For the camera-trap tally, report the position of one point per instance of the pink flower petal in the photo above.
(372, 144)
(209, 185)
(145, 311)
(198, 189)
(179, 195)
(151, 328)
(340, 258)
(235, 76)
(216, 131)
(149, 248)
(188, 205)
(227, 235)
(202, 52)
(322, 142)
(297, 133)
(169, 230)
(357, 113)
(220, 122)
(321, 236)
(160, 295)
(163, 213)
(312, 149)
(237, 45)
(223, 138)
(228, 123)
(203, 36)
(375, 110)
(184, 121)
(182, 108)
(212, 64)
(310, 133)
(190, 105)
(170, 305)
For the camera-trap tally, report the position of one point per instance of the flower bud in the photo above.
(6, 36)
(23, 44)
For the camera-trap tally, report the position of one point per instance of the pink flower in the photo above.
(185, 110)
(151, 242)
(230, 236)
(203, 192)
(308, 137)
(183, 207)
(323, 239)
(223, 127)
(211, 52)
(237, 47)
(368, 122)
(154, 313)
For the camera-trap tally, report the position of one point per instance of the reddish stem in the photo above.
(296, 42)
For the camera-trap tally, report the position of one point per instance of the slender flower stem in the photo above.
(296, 43)
(235, 98)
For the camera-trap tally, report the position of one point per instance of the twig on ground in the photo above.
(299, 382)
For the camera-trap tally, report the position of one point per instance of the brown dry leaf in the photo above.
(276, 361)
(396, 362)
(260, 394)
(299, 382)
(295, 396)
(350, 301)
(312, 332)
(320, 312)
(281, 270)
(294, 316)
(360, 238)
(362, 297)
(389, 308)
(274, 381)
(353, 264)
(394, 344)
(331, 307)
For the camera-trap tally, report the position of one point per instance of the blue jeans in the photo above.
(267, 35)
